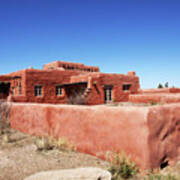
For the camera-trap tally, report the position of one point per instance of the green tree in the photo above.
(160, 86)
(166, 85)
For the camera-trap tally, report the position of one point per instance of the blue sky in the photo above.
(116, 35)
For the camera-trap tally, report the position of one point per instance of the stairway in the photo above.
(87, 92)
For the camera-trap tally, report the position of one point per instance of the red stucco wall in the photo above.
(159, 90)
(117, 80)
(155, 98)
(69, 65)
(48, 79)
(97, 82)
(164, 134)
(139, 131)
(94, 130)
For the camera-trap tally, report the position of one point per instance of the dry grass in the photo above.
(4, 116)
(121, 167)
(49, 143)
(20, 158)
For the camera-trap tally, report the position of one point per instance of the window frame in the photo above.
(126, 87)
(38, 90)
(59, 90)
(20, 89)
(108, 93)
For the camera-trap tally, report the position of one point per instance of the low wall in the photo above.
(155, 98)
(99, 129)
(159, 90)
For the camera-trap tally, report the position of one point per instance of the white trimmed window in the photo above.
(38, 90)
(59, 91)
(20, 89)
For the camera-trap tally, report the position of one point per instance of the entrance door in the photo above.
(108, 94)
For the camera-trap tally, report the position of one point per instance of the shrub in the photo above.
(153, 103)
(77, 98)
(49, 143)
(160, 177)
(43, 143)
(63, 144)
(122, 167)
(6, 138)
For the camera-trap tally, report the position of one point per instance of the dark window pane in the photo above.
(38, 90)
(126, 87)
(58, 90)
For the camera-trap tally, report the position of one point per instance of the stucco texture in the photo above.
(155, 98)
(96, 130)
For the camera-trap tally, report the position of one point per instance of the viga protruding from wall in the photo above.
(150, 135)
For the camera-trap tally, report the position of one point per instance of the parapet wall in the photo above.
(70, 66)
(159, 90)
(154, 98)
(142, 132)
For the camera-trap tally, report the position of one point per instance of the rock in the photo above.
(73, 174)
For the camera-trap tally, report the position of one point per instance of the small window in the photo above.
(19, 89)
(38, 90)
(126, 87)
(59, 90)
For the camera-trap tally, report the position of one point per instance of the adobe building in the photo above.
(59, 82)
(149, 134)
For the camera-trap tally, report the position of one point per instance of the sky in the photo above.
(116, 35)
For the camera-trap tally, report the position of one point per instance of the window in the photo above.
(59, 90)
(19, 89)
(38, 90)
(126, 87)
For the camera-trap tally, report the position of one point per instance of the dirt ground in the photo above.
(20, 158)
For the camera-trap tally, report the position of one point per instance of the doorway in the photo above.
(108, 94)
(4, 90)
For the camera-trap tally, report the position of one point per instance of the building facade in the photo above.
(63, 82)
